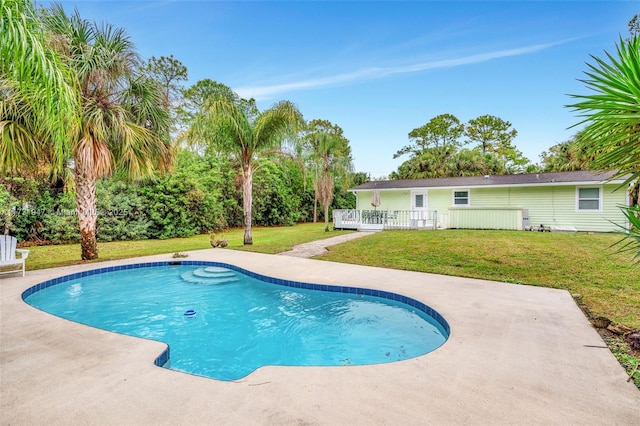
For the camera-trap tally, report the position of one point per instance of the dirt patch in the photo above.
(608, 335)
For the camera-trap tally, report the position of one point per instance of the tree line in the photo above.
(82, 111)
(445, 147)
(201, 194)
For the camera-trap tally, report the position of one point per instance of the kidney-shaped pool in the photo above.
(223, 322)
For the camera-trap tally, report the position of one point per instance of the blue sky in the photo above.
(380, 69)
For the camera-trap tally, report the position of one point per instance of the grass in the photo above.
(584, 264)
(265, 240)
(276, 240)
(620, 350)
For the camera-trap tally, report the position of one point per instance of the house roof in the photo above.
(578, 177)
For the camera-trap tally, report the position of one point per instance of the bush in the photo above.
(203, 194)
(274, 202)
(121, 212)
(60, 225)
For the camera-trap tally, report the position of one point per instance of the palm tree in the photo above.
(307, 150)
(123, 121)
(38, 106)
(612, 115)
(328, 162)
(473, 162)
(568, 156)
(430, 163)
(235, 127)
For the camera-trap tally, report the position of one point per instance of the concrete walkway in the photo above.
(517, 355)
(318, 247)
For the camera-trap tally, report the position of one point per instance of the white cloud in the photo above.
(265, 92)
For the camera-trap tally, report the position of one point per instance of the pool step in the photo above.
(203, 273)
(210, 275)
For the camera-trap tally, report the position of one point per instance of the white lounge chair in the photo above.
(8, 252)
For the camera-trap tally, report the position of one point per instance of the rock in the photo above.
(219, 243)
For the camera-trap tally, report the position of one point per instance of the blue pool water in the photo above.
(241, 322)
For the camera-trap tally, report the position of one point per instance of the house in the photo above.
(563, 201)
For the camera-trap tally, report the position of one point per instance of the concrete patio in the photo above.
(516, 355)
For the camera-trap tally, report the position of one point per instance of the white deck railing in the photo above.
(385, 219)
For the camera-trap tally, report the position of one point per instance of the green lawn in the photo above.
(265, 240)
(581, 263)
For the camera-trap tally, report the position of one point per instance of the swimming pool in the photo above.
(224, 322)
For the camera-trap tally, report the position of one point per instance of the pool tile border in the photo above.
(163, 358)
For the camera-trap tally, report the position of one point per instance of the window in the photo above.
(589, 199)
(460, 198)
(418, 200)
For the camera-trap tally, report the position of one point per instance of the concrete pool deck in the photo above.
(516, 355)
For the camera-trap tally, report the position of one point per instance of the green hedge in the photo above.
(202, 194)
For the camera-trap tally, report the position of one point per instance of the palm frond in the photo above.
(141, 153)
(144, 100)
(275, 123)
(17, 146)
(224, 125)
(39, 78)
(631, 234)
(612, 110)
